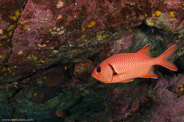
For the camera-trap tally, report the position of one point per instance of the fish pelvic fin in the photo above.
(163, 59)
(145, 50)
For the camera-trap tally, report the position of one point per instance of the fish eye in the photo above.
(98, 69)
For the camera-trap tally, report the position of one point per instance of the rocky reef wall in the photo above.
(49, 48)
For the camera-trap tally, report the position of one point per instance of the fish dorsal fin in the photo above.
(145, 50)
(150, 74)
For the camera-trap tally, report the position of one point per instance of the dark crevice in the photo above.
(11, 51)
(32, 74)
(20, 79)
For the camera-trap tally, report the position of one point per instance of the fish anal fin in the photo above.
(150, 74)
(145, 50)
(128, 80)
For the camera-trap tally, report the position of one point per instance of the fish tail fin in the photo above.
(163, 59)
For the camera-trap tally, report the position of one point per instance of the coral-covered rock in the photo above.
(167, 15)
(6, 96)
(43, 94)
(166, 22)
(55, 76)
(10, 11)
(63, 31)
(121, 44)
(44, 45)
(169, 98)
(46, 108)
(83, 69)
(49, 32)
(121, 103)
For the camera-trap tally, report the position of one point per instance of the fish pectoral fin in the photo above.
(128, 80)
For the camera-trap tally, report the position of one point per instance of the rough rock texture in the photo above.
(168, 16)
(121, 106)
(49, 48)
(170, 100)
(83, 69)
(63, 31)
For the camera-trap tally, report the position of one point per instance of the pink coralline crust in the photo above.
(165, 21)
(46, 39)
(121, 44)
(174, 4)
(3, 25)
(109, 13)
(170, 100)
(170, 111)
(7, 9)
(121, 103)
(36, 18)
(23, 66)
(169, 89)
(80, 18)
(83, 69)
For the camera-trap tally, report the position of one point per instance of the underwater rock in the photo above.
(83, 69)
(179, 61)
(121, 44)
(7, 93)
(121, 102)
(166, 22)
(43, 94)
(6, 110)
(10, 11)
(168, 90)
(35, 35)
(48, 32)
(64, 31)
(55, 76)
(31, 82)
(45, 108)
(169, 99)
(169, 18)
(91, 103)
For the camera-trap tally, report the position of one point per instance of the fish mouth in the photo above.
(92, 75)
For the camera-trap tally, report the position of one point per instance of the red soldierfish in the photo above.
(124, 67)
